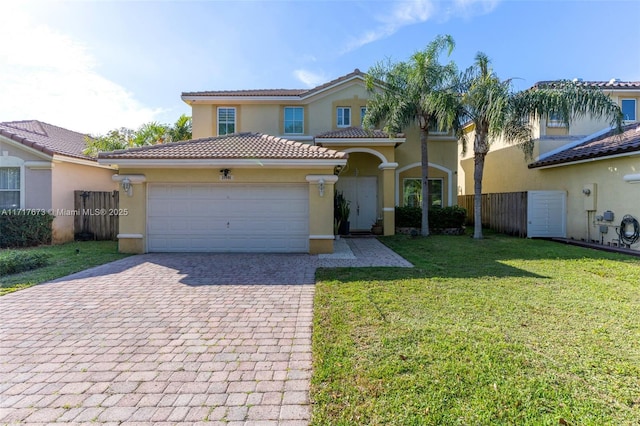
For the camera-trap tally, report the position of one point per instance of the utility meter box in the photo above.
(589, 195)
(608, 216)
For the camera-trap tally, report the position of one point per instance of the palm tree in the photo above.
(419, 91)
(496, 111)
(152, 133)
(181, 130)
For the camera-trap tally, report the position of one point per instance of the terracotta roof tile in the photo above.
(276, 92)
(236, 146)
(354, 132)
(46, 138)
(611, 84)
(605, 145)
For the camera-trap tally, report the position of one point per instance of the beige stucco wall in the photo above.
(320, 208)
(67, 178)
(506, 171)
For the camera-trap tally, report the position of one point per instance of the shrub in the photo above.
(13, 262)
(439, 217)
(25, 228)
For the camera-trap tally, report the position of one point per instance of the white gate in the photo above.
(546, 214)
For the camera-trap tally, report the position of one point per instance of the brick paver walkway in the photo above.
(169, 339)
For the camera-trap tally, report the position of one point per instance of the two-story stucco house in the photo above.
(578, 172)
(261, 172)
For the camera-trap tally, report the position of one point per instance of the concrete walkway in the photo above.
(169, 339)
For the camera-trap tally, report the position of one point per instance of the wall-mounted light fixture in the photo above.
(321, 187)
(586, 191)
(126, 186)
(337, 170)
(225, 174)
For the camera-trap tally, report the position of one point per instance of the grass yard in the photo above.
(63, 260)
(495, 331)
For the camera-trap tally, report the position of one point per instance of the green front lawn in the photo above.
(63, 260)
(496, 331)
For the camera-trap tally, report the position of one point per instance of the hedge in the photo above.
(439, 217)
(25, 228)
(13, 262)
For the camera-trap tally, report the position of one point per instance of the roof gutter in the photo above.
(205, 163)
(588, 160)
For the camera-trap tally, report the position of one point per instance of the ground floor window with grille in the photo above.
(9, 187)
(412, 192)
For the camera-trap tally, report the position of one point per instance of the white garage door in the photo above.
(228, 218)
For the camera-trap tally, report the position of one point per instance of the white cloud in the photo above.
(310, 78)
(405, 13)
(48, 76)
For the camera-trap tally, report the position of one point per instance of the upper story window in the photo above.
(363, 112)
(226, 121)
(293, 120)
(344, 117)
(434, 128)
(555, 120)
(9, 187)
(629, 109)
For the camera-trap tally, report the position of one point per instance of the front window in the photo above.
(344, 117)
(413, 192)
(629, 109)
(555, 120)
(293, 120)
(226, 121)
(434, 128)
(9, 187)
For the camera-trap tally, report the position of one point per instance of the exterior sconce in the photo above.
(337, 170)
(127, 187)
(225, 174)
(586, 191)
(321, 187)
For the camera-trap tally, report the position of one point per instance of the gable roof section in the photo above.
(238, 146)
(605, 145)
(353, 133)
(46, 138)
(613, 84)
(277, 93)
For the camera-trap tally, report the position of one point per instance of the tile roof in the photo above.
(354, 132)
(235, 146)
(46, 138)
(277, 92)
(610, 84)
(605, 145)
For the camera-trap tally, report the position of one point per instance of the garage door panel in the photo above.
(235, 218)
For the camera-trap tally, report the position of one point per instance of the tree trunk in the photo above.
(477, 194)
(424, 135)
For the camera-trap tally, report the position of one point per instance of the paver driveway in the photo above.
(162, 339)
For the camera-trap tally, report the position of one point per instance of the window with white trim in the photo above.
(434, 129)
(628, 107)
(293, 120)
(555, 120)
(10, 187)
(344, 117)
(412, 192)
(226, 120)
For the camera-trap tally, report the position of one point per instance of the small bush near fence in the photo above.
(439, 217)
(25, 228)
(13, 262)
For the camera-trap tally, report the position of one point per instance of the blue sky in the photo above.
(92, 66)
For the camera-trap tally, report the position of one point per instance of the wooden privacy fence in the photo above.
(96, 215)
(503, 212)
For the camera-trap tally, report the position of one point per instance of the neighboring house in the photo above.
(578, 172)
(41, 166)
(275, 156)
